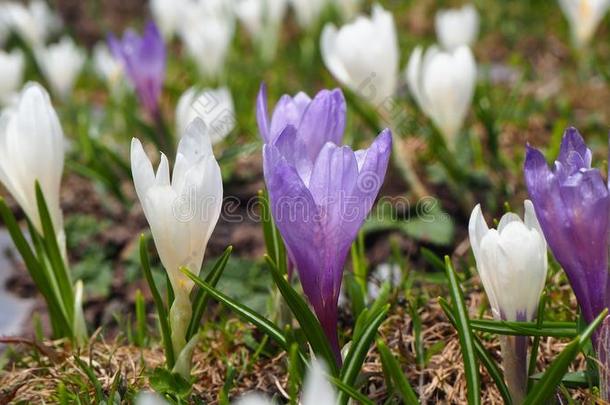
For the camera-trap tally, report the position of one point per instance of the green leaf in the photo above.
(60, 322)
(161, 311)
(575, 379)
(545, 388)
(202, 297)
(554, 329)
(392, 368)
(99, 392)
(471, 367)
(273, 240)
(164, 381)
(433, 259)
(483, 355)
(307, 320)
(359, 349)
(58, 265)
(254, 317)
(346, 389)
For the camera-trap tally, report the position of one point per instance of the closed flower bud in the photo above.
(363, 55)
(457, 27)
(213, 106)
(443, 85)
(32, 149)
(61, 63)
(512, 262)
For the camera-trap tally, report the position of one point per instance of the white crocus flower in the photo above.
(213, 106)
(512, 262)
(262, 19)
(583, 17)
(34, 23)
(168, 15)
(107, 66)
(207, 29)
(11, 74)
(308, 11)
(150, 398)
(32, 149)
(443, 85)
(61, 63)
(456, 27)
(182, 213)
(363, 55)
(317, 390)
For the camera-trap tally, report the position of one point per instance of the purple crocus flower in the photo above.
(320, 192)
(143, 59)
(572, 204)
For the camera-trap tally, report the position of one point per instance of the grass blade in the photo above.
(359, 349)
(390, 364)
(250, 315)
(351, 392)
(545, 388)
(56, 258)
(554, 329)
(201, 299)
(309, 323)
(483, 355)
(161, 311)
(471, 367)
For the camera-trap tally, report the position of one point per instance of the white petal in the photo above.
(477, 229)
(317, 390)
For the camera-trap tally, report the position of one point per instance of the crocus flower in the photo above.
(213, 106)
(443, 85)
(207, 28)
(168, 15)
(308, 11)
(11, 74)
(511, 261)
(456, 27)
(572, 203)
(34, 22)
(32, 149)
(317, 390)
(61, 63)
(363, 55)
(143, 59)
(182, 212)
(583, 17)
(320, 192)
(262, 19)
(109, 68)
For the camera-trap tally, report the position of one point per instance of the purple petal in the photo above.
(323, 121)
(573, 210)
(288, 111)
(262, 117)
(573, 153)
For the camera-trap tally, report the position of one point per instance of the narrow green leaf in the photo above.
(471, 367)
(483, 355)
(140, 335)
(345, 389)
(60, 322)
(223, 396)
(250, 315)
(161, 311)
(554, 329)
(358, 351)
(99, 392)
(307, 320)
(390, 364)
(433, 259)
(201, 299)
(58, 265)
(545, 388)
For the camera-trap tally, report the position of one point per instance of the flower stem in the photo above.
(514, 360)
